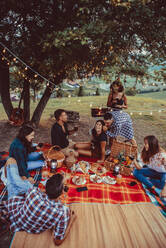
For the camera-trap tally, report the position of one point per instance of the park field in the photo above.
(147, 111)
(143, 105)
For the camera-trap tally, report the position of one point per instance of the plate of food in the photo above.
(79, 180)
(98, 169)
(95, 179)
(109, 180)
(84, 166)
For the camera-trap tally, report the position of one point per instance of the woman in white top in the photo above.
(154, 175)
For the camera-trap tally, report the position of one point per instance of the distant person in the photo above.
(36, 212)
(22, 158)
(97, 147)
(154, 175)
(59, 131)
(119, 124)
(117, 99)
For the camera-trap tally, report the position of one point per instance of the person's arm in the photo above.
(103, 146)
(125, 105)
(21, 159)
(137, 166)
(70, 132)
(109, 101)
(62, 229)
(116, 132)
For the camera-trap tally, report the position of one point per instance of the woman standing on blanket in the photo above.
(117, 99)
(95, 148)
(154, 175)
(22, 158)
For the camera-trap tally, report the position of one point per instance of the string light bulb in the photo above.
(4, 50)
(35, 75)
(26, 68)
(14, 59)
(131, 113)
(151, 113)
(140, 113)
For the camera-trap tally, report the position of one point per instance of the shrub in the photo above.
(130, 91)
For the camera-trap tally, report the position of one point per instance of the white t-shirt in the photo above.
(158, 162)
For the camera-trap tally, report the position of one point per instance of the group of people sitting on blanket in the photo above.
(28, 209)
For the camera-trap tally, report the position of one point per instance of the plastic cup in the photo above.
(119, 179)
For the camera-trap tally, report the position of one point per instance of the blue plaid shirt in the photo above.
(35, 213)
(121, 126)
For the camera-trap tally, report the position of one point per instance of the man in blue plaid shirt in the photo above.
(119, 123)
(36, 211)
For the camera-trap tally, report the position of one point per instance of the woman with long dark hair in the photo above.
(22, 158)
(117, 99)
(154, 175)
(97, 146)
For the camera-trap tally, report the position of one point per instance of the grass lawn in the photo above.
(144, 104)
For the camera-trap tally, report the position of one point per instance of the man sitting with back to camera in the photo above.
(35, 212)
(60, 132)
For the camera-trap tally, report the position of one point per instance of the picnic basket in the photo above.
(119, 146)
(126, 171)
(54, 153)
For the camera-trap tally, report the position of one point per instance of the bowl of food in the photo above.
(79, 180)
(84, 166)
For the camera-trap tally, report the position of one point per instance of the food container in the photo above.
(54, 153)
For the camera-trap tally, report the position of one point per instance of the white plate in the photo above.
(99, 179)
(76, 183)
(109, 180)
(78, 168)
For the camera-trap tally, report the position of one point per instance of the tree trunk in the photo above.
(40, 107)
(34, 95)
(26, 102)
(5, 88)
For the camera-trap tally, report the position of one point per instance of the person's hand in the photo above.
(24, 178)
(75, 128)
(100, 161)
(105, 128)
(119, 106)
(31, 180)
(137, 166)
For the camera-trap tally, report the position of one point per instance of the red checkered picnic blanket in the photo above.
(102, 193)
(99, 193)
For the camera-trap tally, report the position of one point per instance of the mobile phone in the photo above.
(79, 189)
(132, 183)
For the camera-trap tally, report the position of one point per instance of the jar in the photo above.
(53, 165)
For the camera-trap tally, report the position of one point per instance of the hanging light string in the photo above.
(131, 112)
(26, 66)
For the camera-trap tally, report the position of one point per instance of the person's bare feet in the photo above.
(163, 192)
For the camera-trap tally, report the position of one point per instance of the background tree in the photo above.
(81, 91)
(86, 38)
(97, 92)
